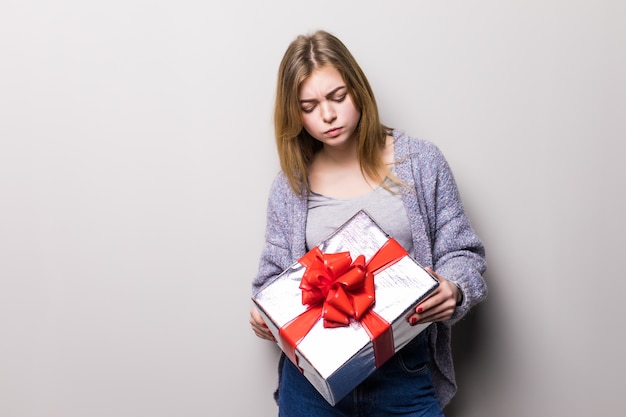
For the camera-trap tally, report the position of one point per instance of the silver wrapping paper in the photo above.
(335, 360)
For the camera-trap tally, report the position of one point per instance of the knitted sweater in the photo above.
(442, 237)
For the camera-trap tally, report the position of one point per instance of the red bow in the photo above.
(344, 288)
(337, 289)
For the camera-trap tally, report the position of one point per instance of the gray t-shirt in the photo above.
(326, 214)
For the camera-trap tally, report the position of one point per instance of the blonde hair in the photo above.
(296, 147)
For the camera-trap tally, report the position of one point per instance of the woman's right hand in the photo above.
(259, 327)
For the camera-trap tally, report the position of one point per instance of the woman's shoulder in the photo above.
(407, 146)
(281, 187)
(280, 181)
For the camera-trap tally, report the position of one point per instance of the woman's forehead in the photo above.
(322, 81)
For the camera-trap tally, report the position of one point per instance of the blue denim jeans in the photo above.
(401, 387)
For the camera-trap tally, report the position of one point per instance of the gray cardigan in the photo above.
(442, 237)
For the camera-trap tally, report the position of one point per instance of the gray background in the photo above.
(136, 155)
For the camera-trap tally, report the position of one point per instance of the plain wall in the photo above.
(136, 153)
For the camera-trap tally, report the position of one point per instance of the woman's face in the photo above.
(328, 112)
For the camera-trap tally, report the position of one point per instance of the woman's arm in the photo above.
(277, 254)
(457, 252)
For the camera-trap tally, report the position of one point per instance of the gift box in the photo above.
(341, 311)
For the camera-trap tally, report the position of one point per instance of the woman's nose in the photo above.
(328, 112)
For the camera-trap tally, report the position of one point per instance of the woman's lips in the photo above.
(333, 132)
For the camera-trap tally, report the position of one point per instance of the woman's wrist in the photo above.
(459, 294)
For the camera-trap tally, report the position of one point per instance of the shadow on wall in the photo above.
(474, 340)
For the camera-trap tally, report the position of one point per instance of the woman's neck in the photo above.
(347, 153)
(336, 172)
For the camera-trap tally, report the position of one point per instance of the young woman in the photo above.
(337, 158)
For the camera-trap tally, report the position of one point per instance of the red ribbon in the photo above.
(336, 289)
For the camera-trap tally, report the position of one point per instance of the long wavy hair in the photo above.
(296, 147)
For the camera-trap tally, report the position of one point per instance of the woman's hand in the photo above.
(439, 305)
(259, 326)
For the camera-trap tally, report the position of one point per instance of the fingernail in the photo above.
(419, 309)
(413, 320)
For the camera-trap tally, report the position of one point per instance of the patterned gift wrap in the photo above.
(341, 310)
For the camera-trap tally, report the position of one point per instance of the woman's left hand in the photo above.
(440, 305)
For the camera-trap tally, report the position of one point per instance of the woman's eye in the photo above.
(340, 98)
(308, 109)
